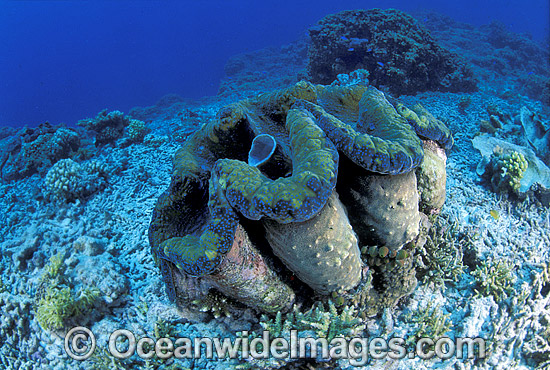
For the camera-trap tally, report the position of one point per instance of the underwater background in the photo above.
(216, 169)
(62, 60)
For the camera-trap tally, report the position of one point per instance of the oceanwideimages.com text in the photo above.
(80, 344)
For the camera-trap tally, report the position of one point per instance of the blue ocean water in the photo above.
(61, 61)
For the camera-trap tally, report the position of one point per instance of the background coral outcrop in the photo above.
(398, 52)
(507, 61)
(34, 150)
(107, 128)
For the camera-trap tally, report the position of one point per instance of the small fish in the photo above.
(380, 64)
(344, 38)
(494, 214)
(351, 49)
(369, 49)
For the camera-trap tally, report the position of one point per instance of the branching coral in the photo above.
(443, 252)
(509, 169)
(15, 331)
(495, 279)
(537, 313)
(320, 323)
(56, 303)
(323, 321)
(522, 327)
(428, 322)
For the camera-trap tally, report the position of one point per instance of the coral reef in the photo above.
(109, 127)
(499, 57)
(207, 229)
(34, 150)
(6, 131)
(15, 332)
(398, 52)
(428, 322)
(137, 130)
(68, 180)
(154, 140)
(107, 236)
(498, 118)
(495, 279)
(320, 321)
(464, 103)
(519, 51)
(56, 304)
(512, 168)
(443, 253)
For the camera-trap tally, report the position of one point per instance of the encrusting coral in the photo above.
(443, 252)
(264, 183)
